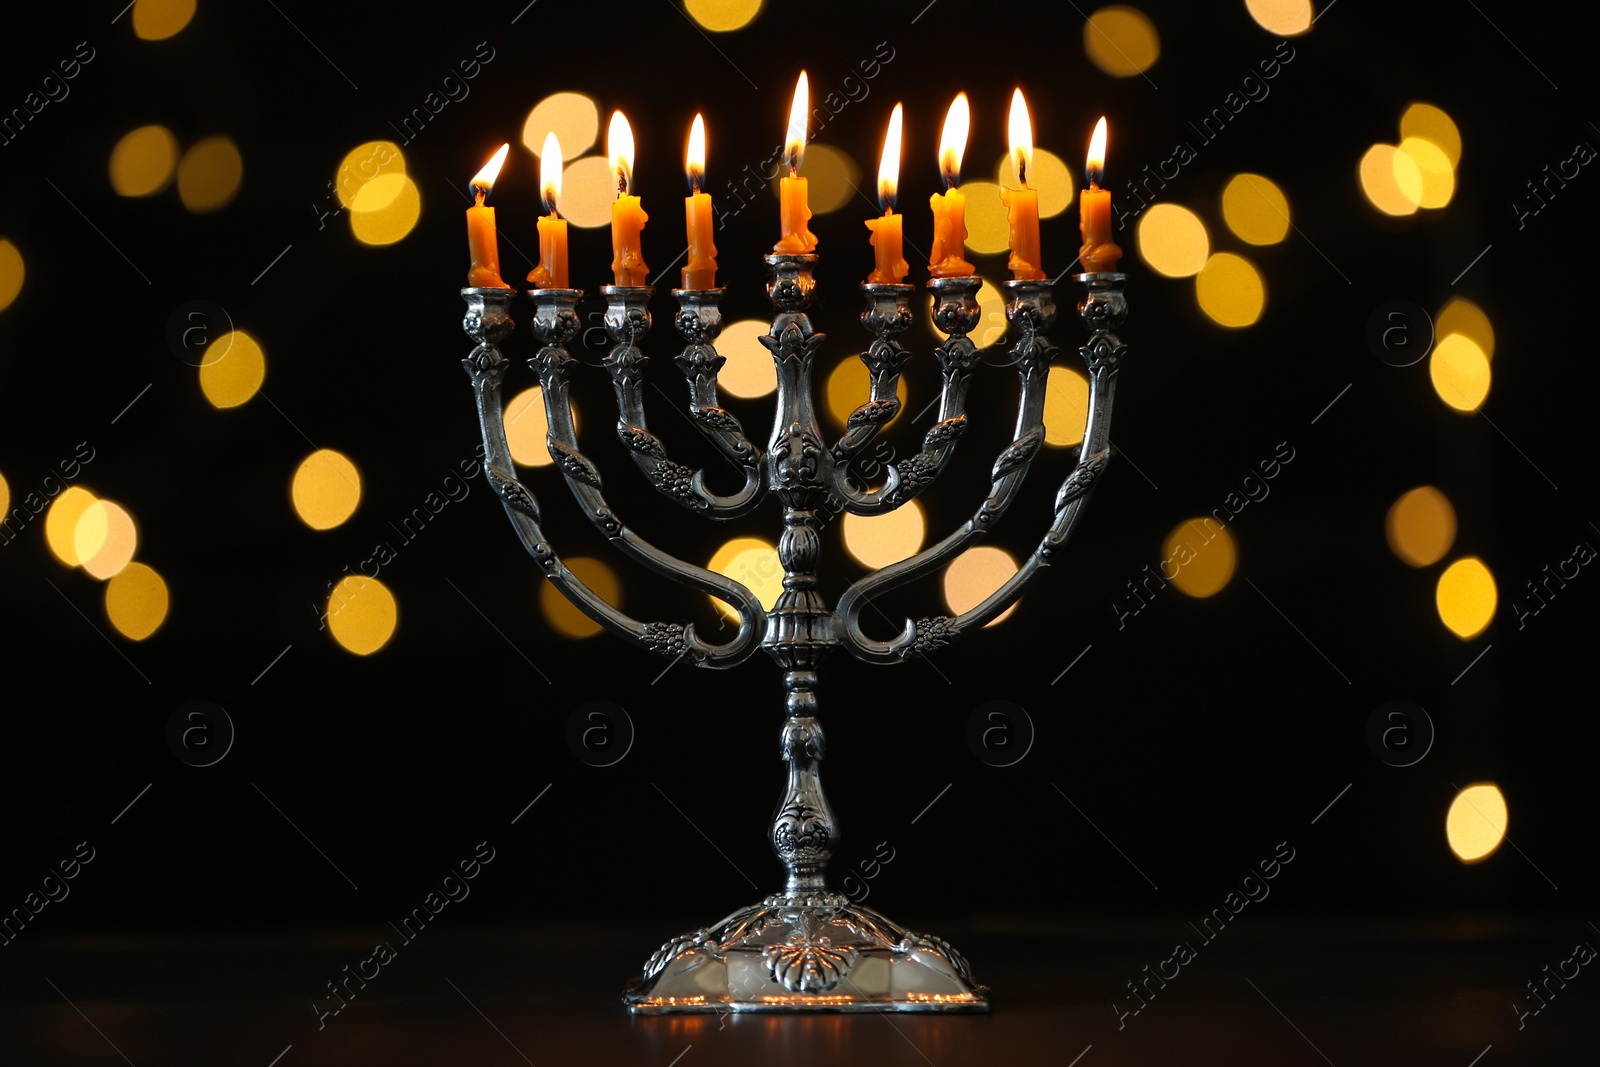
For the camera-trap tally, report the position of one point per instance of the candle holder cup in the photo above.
(806, 947)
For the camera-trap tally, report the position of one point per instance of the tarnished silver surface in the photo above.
(806, 948)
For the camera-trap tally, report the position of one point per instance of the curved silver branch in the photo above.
(627, 321)
(1031, 309)
(956, 314)
(488, 323)
(699, 321)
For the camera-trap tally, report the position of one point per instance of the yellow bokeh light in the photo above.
(1390, 179)
(1476, 822)
(1421, 526)
(209, 174)
(991, 326)
(721, 16)
(1464, 317)
(1121, 41)
(156, 20)
(573, 117)
(5, 496)
(749, 371)
(105, 539)
(143, 161)
(61, 523)
(12, 272)
(753, 562)
(1286, 18)
(1048, 173)
(832, 178)
(1433, 167)
(849, 386)
(1066, 406)
(988, 231)
(395, 205)
(232, 369)
(1466, 597)
(1432, 124)
(1173, 240)
(527, 430)
(361, 614)
(1255, 209)
(137, 601)
(974, 575)
(1230, 290)
(562, 615)
(1460, 372)
(1201, 557)
(361, 165)
(326, 489)
(587, 191)
(876, 541)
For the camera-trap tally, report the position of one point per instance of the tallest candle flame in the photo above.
(695, 161)
(794, 146)
(953, 140)
(619, 148)
(482, 180)
(889, 162)
(1095, 167)
(1021, 128)
(550, 173)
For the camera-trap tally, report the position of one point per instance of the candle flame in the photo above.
(619, 146)
(1095, 168)
(799, 111)
(695, 161)
(484, 179)
(1021, 137)
(550, 174)
(889, 162)
(953, 141)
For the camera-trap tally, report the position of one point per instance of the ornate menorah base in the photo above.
(808, 953)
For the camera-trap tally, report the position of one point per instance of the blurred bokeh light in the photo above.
(1390, 179)
(587, 191)
(385, 209)
(232, 369)
(1202, 555)
(753, 562)
(1255, 209)
(61, 523)
(1460, 372)
(136, 601)
(749, 371)
(361, 165)
(156, 20)
(722, 16)
(1230, 290)
(973, 576)
(1286, 18)
(326, 489)
(1173, 240)
(1476, 822)
(1048, 174)
(1464, 317)
(12, 272)
(832, 177)
(849, 386)
(143, 161)
(875, 541)
(105, 539)
(209, 174)
(1432, 124)
(362, 614)
(564, 618)
(573, 117)
(1066, 406)
(1421, 526)
(1466, 597)
(1433, 167)
(1121, 41)
(988, 231)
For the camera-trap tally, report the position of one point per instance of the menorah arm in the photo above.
(1103, 355)
(488, 322)
(888, 313)
(627, 321)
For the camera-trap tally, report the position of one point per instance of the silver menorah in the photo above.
(806, 947)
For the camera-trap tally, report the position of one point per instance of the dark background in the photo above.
(1196, 738)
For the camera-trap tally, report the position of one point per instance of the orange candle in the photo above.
(1023, 203)
(700, 270)
(1099, 252)
(950, 206)
(794, 212)
(551, 273)
(481, 241)
(888, 239)
(627, 217)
